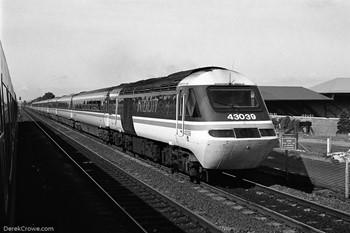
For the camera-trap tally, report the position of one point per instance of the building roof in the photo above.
(337, 85)
(273, 93)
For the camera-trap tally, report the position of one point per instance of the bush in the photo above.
(343, 124)
(287, 125)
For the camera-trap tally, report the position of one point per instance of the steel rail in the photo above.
(90, 177)
(333, 212)
(266, 211)
(205, 223)
(261, 209)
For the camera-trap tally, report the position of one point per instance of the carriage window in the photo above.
(63, 105)
(10, 107)
(1, 112)
(93, 105)
(5, 106)
(104, 107)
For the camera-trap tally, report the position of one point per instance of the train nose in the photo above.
(238, 154)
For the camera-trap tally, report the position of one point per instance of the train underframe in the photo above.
(174, 157)
(178, 159)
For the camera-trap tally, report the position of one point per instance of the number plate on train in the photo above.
(241, 116)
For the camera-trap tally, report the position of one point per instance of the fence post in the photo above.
(287, 166)
(347, 177)
(329, 146)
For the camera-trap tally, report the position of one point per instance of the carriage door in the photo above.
(180, 113)
(71, 107)
(126, 116)
(106, 112)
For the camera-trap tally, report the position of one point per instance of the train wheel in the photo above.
(195, 172)
(204, 175)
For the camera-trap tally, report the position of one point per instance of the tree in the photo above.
(46, 96)
(343, 124)
(285, 122)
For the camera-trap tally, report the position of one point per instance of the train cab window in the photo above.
(226, 98)
(192, 109)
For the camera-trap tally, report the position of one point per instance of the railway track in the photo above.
(265, 205)
(146, 209)
(295, 211)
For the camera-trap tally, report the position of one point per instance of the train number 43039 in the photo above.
(241, 116)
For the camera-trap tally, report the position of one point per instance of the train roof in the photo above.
(6, 74)
(106, 89)
(41, 101)
(167, 83)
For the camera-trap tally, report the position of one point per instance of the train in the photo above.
(194, 121)
(8, 144)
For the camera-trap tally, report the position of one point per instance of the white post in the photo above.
(347, 178)
(329, 147)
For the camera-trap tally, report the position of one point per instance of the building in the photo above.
(337, 89)
(295, 101)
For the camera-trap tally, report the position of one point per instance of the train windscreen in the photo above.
(228, 98)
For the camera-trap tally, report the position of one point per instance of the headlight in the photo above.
(222, 133)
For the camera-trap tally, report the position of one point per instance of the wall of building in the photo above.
(324, 126)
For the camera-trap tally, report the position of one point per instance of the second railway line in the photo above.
(223, 222)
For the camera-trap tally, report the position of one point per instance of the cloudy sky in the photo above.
(66, 46)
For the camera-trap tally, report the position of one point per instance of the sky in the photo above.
(68, 46)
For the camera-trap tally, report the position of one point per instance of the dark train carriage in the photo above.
(8, 144)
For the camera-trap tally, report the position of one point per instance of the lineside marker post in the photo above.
(288, 142)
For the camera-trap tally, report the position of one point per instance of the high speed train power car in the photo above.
(8, 144)
(196, 120)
